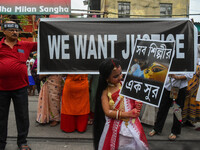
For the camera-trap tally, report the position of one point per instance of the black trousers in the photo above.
(20, 101)
(165, 105)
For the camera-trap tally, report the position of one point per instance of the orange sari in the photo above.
(75, 98)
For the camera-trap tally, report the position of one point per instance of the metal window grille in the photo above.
(123, 10)
(166, 10)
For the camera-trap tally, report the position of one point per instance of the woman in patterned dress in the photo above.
(49, 101)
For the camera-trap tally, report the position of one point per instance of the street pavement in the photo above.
(44, 137)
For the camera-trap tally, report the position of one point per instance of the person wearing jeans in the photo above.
(14, 82)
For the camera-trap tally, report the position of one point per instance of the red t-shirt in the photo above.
(13, 70)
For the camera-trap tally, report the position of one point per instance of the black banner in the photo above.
(147, 71)
(79, 45)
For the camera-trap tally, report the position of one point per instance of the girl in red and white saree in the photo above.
(122, 129)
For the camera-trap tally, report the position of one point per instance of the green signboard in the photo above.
(198, 26)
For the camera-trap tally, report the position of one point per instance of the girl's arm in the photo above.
(114, 113)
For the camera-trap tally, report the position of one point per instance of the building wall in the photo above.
(145, 7)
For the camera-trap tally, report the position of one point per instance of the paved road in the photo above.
(53, 144)
(66, 144)
(52, 138)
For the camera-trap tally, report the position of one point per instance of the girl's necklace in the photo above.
(112, 85)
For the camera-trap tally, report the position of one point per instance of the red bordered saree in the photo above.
(116, 135)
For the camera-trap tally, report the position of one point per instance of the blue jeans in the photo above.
(20, 102)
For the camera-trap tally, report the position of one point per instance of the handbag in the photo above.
(176, 108)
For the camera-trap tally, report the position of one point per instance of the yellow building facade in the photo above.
(144, 8)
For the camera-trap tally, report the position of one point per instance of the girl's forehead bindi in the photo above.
(118, 70)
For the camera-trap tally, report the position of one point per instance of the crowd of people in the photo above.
(74, 101)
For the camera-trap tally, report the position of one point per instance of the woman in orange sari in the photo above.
(75, 103)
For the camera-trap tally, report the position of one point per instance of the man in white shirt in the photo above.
(180, 81)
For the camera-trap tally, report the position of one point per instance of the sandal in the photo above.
(90, 122)
(152, 133)
(172, 137)
(54, 123)
(24, 147)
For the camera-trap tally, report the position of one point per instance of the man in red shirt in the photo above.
(14, 83)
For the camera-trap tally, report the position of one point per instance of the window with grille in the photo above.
(166, 10)
(123, 10)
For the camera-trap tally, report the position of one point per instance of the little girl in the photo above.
(116, 124)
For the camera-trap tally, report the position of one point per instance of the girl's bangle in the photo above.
(117, 115)
(120, 114)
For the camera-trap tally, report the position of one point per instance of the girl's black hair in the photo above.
(105, 69)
